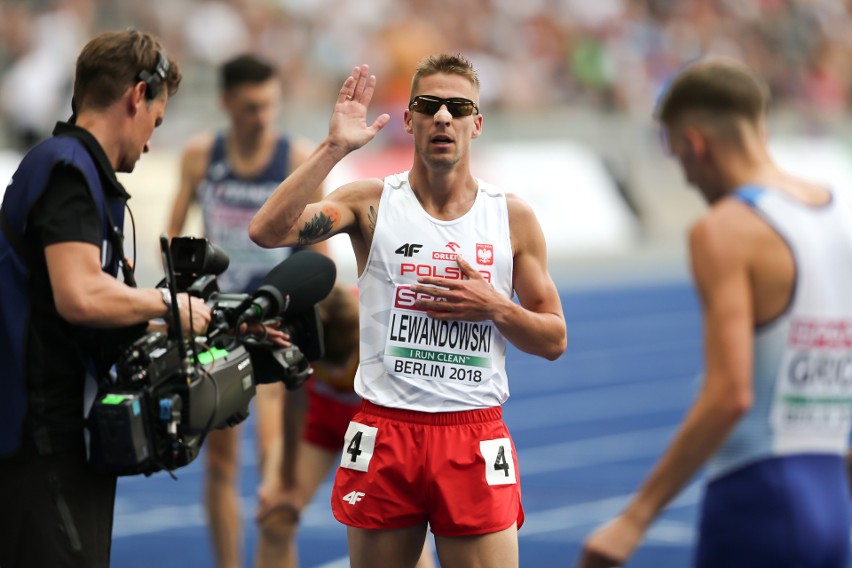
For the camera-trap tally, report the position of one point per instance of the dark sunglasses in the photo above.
(428, 104)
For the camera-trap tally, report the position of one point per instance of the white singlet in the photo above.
(802, 372)
(409, 360)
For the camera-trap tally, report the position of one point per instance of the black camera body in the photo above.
(158, 410)
(168, 392)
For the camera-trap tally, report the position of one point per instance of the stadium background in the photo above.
(568, 93)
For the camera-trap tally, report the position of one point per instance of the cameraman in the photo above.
(64, 313)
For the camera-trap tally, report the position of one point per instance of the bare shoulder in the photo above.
(199, 145)
(360, 192)
(522, 218)
(729, 221)
(524, 227)
(720, 226)
(196, 154)
(723, 238)
(351, 208)
(518, 206)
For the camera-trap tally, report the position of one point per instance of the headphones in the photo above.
(154, 78)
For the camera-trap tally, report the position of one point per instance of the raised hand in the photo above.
(348, 127)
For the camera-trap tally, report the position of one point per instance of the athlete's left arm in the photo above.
(537, 325)
(719, 253)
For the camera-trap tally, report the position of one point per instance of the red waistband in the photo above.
(434, 418)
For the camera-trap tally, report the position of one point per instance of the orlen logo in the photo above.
(450, 256)
(484, 254)
(438, 255)
(451, 272)
(405, 298)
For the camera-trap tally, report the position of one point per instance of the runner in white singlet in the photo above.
(440, 256)
(772, 261)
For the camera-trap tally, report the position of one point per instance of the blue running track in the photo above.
(587, 427)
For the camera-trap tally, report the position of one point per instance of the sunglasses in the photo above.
(428, 104)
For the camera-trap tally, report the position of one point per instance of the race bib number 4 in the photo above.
(358, 446)
(420, 347)
(499, 462)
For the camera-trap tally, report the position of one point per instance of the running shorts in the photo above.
(457, 471)
(786, 512)
(328, 418)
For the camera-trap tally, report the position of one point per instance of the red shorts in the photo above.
(456, 470)
(327, 419)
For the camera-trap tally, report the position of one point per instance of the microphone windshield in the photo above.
(306, 277)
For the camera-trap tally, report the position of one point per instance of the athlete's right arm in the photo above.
(287, 218)
(192, 169)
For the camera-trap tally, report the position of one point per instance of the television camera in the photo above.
(168, 391)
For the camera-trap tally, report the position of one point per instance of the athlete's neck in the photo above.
(246, 145)
(444, 195)
(249, 153)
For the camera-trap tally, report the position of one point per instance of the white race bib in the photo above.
(417, 346)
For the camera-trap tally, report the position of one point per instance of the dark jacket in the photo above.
(27, 403)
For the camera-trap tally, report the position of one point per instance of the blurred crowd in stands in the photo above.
(532, 55)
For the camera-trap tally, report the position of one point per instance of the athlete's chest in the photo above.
(411, 248)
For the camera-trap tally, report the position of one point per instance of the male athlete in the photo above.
(440, 255)
(772, 260)
(231, 173)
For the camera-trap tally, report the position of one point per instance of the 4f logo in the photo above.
(408, 249)
(353, 497)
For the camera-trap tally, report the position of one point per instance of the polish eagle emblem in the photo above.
(484, 254)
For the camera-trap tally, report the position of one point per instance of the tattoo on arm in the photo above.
(320, 225)
(371, 217)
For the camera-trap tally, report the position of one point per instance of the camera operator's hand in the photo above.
(268, 331)
(200, 313)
